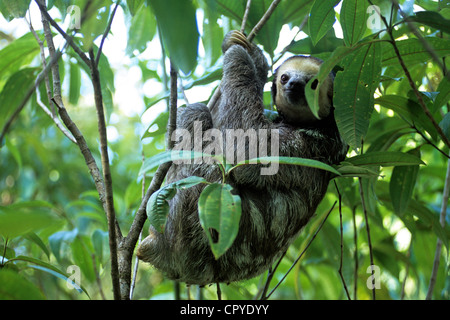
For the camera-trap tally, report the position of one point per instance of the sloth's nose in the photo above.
(295, 84)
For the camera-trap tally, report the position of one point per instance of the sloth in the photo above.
(274, 207)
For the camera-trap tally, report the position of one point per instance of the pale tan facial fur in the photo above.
(291, 79)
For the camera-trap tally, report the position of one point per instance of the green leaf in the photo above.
(11, 9)
(59, 239)
(444, 93)
(353, 20)
(219, 213)
(16, 287)
(158, 206)
(385, 159)
(134, 6)
(321, 19)
(290, 160)
(47, 267)
(408, 109)
(75, 83)
(12, 94)
(445, 125)
(175, 155)
(18, 53)
(82, 258)
(432, 19)
(353, 93)
(413, 51)
(401, 185)
(141, 31)
(24, 217)
(178, 25)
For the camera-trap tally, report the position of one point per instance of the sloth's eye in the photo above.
(284, 78)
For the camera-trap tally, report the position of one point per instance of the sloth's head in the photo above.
(288, 90)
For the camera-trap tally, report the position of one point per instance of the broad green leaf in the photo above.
(47, 267)
(24, 217)
(95, 23)
(290, 160)
(355, 171)
(219, 212)
(12, 94)
(444, 93)
(33, 237)
(82, 257)
(385, 159)
(408, 109)
(188, 157)
(11, 9)
(75, 83)
(16, 287)
(99, 239)
(353, 20)
(321, 19)
(353, 93)
(432, 19)
(401, 185)
(142, 30)
(61, 239)
(158, 206)
(413, 51)
(178, 26)
(18, 53)
(134, 6)
(445, 125)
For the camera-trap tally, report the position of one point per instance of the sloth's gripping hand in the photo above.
(236, 37)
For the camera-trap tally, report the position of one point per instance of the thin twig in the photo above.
(437, 254)
(52, 113)
(366, 218)
(302, 253)
(245, 17)
(263, 20)
(68, 38)
(110, 212)
(342, 242)
(105, 34)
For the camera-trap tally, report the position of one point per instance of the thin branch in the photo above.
(342, 242)
(110, 212)
(437, 254)
(28, 94)
(301, 254)
(263, 20)
(68, 38)
(366, 218)
(172, 124)
(51, 113)
(105, 34)
(245, 17)
(270, 275)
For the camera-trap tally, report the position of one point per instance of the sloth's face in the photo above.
(291, 79)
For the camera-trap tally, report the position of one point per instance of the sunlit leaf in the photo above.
(321, 19)
(219, 213)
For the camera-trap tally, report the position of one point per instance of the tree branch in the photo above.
(109, 200)
(105, 34)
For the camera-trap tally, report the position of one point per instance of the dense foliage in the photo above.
(391, 97)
